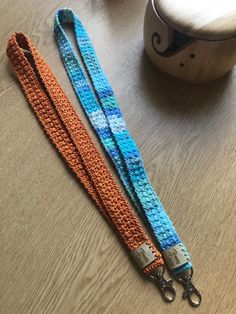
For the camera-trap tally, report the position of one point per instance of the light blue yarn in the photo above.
(105, 116)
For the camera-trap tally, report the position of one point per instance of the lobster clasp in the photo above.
(191, 293)
(166, 288)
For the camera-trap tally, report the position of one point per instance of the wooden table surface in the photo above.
(57, 254)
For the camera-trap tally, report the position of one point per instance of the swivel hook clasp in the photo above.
(191, 293)
(166, 288)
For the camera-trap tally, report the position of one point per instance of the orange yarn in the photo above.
(72, 140)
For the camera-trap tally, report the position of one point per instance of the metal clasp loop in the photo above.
(166, 288)
(191, 293)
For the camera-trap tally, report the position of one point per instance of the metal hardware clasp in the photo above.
(191, 293)
(166, 288)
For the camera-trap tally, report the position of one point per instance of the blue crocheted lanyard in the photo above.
(105, 116)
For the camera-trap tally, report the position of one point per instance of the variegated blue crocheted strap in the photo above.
(104, 114)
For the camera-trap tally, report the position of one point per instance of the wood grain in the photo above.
(57, 254)
(202, 19)
(194, 60)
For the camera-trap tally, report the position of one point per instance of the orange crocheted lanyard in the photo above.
(69, 135)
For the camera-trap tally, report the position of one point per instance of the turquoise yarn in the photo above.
(106, 118)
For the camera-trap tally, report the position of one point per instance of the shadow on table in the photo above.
(172, 95)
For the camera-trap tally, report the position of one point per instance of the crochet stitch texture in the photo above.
(69, 135)
(103, 112)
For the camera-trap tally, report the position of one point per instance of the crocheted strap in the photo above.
(72, 140)
(105, 115)
(101, 107)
